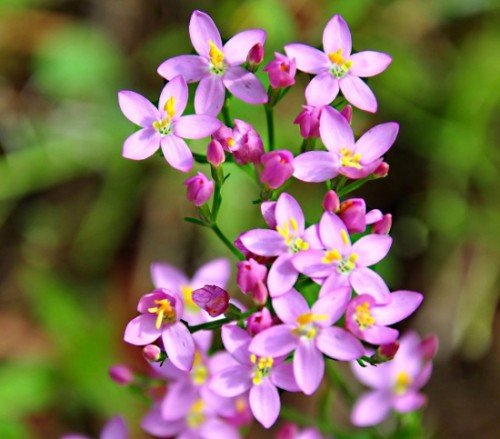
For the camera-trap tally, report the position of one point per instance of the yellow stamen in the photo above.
(345, 236)
(294, 224)
(164, 312)
(262, 368)
(363, 316)
(195, 417)
(331, 256)
(230, 142)
(187, 296)
(349, 159)
(337, 59)
(309, 317)
(403, 381)
(199, 373)
(170, 107)
(216, 55)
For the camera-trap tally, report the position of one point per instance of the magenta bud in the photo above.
(215, 153)
(259, 294)
(121, 374)
(255, 55)
(199, 189)
(249, 274)
(259, 321)
(429, 347)
(347, 113)
(387, 352)
(151, 353)
(382, 170)
(383, 226)
(331, 202)
(353, 213)
(288, 431)
(278, 168)
(212, 299)
(281, 71)
(308, 121)
(245, 143)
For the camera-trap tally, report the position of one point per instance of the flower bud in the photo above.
(121, 374)
(382, 170)
(259, 321)
(347, 113)
(199, 189)
(287, 431)
(255, 56)
(268, 210)
(212, 299)
(242, 141)
(429, 347)
(353, 213)
(281, 71)
(278, 168)
(250, 273)
(386, 352)
(259, 294)
(308, 120)
(331, 202)
(215, 153)
(151, 353)
(383, 226)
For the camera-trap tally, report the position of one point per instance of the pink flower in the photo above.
(308, 120)
(336, 68)
(289, 238)
(217, 67)
(199, 189)
(259, 321)
(215, 272)
(213, 299)
(164, 126)
(281, 71)
(309, 332)
(396, 384)
(344, 264)
(345, 156)
(278, 168)
(369, 320)
(331, 202)
(260, 376)
(115, 428)
(383, 226)
(250, 274)
(215, 153)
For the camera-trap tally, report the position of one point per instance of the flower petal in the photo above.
(308, 366)
(141, 330)
(358, 93)
(178, 90)
(310, 263)
(282, 276)
(369, 63)
(339, 344)
(379, 335)
(287, 209)
(232, 381)
(333, 233)
(307, 58)
(265, 403)
(179, 345)
(315, 166)
(289, 306)
(245, 85)
(409, 402)
(196, 126)
(141, 144)
(154, 424)
(216, 272)
(191, 67)
(337, 36)
(377, 377)
(137, 108)
(236, 342)
(376, 141)
(371, 409)
(202, 30)
(264, 242)
(167, 276)
(366, 281)
(177, 153)
(179, 399)
(333, 283)
(209, 96)
(237, 48)
(335, 131)
(115, 428)
(268, 210)
(215, 429)
(274, 342)
(402, 304)
(371, 249)
(322, 89)
(282, 376)
(332, 305)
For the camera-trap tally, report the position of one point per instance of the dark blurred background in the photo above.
(79, 224)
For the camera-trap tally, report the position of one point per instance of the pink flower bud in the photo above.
(259, 294)
(215, 153)
(121, 374)
(199, 189)
(281, 71)
(331, 202)
(287, 431)
(250, 273)
(242, 141)
(429, 347)
(383, 226)
(255, 55)
(382, 170)
(353, 213)
(278, 168)
(347, 113)
(308, 120)
(151, 353)
(268, 210)
(212, 299)
(259, 321)
(387, 352)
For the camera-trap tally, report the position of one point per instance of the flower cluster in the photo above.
(316, 297)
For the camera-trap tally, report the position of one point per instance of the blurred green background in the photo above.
(79, 224)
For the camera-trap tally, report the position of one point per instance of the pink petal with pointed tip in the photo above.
(371, 409)
(371, 249)
(177, 89)
(379, 335)
(310, 263)
(282, 276)
(307, 58)
(141, 144)
(137, 108)
(265, 403)
(322, 89)
(177, 153)
(179, 345)
(216, 272)
(376, 141)
(337, 36)
(202, 29)
(236, 341)
(335, 131)
(237, 48)
(264, 242)
(339, 344)
(287, 208)
(142, 330)
(290, 306)
(332, 232)
(369, 63)
(196, 126)
(402, 304)
(191, 67)
(308, 366)
(232, 381)
(245, 86)
(315, 166)
(358, 93)
(209, 96)
(332, 305)
(366, 281)
(167, 276)
(282, 376)
(274, 342)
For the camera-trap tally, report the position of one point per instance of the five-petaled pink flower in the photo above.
(309, 332)
(345, 156)
(217, 67)
(336, 68)
(164, 126)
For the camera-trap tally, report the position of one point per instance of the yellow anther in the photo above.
(353, 257)
(331, 256)
(164, 312)
(403, 381)
(187, 296)
(253, 358)
(170, 107)
(349, 159)
(363, 316)
(216, 55)
(230, 142)
(195, 417)
(337, 59)
(301, 244)
(345, 236)
(293, 223)
(309, 317)
(159, 125)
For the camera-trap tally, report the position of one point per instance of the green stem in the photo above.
(218, 323)
(218, 176)
(227, 242)
(353, 186)
(225, 113)
(338, 381)
(270, 126)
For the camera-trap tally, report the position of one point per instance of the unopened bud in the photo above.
(121, 374)
(212, 299)
(260, 293)
(199, 189)
(255, 55)
(259, 321)
(331, 202)
(429, 347)
(386, 352)
(347, 113)
(382, 170)
(353, 213)
(383, 226)
(151, 353)
(215, 153)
